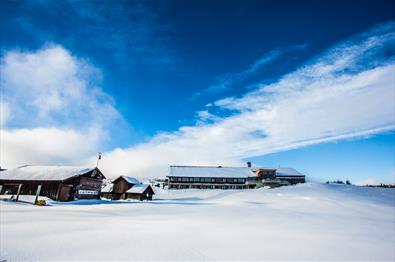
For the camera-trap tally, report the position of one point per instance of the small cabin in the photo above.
(121, 185)
(140, 192)
(60, 183)
(125, 187)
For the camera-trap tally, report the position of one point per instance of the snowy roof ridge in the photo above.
(131, 180)
(207, 171)
(210, 166)
(287, 171)
(54, 173)
(138, 189)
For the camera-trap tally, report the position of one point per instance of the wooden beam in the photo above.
(37, 193)
(58, 193)
(19, 191)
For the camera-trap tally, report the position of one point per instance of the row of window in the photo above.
(206, 187)
(207, 180)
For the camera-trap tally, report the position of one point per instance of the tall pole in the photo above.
(98, 158)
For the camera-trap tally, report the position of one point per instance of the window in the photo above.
(185, 179)
(240, 180)
(229, 180)
(218, 180)
(207, 179)
(196, 179)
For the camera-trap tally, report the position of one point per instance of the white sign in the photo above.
(88, 192)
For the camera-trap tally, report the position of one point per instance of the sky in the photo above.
(306, 84)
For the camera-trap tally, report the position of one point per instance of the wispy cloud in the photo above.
(225, 81)
(345, 92)
(128, 30)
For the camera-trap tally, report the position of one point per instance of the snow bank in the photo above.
(303, 222)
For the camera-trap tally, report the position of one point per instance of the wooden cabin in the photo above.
(121, 185)
(209, 177)
(60, 183)
(125, 187)
(140, 192)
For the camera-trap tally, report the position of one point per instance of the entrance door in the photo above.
(64, 192)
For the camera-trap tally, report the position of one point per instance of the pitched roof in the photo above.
(210, 171)
(138, 189)
(130, 180)
(54, 173)
(287, 172)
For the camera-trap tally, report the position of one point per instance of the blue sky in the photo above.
(142, 79)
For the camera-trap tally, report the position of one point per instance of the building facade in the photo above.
(60, 183)
(209, 177)
(206, 177)
(289, 176)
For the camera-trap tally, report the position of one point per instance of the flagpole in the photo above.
(98, 158)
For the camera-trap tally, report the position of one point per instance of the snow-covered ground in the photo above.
(303, 222)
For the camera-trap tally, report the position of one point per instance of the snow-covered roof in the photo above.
(209, 171)
(287, 172)
(55, 173)
(131, 180)
(108, 188)
(138, 189)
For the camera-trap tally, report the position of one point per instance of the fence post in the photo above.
(37, 194)
(19, 191)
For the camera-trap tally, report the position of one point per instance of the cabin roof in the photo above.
(54, 173)
(210, 171)
(138, 189)
(130, 180)
(287, 172)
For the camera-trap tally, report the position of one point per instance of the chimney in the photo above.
(249, 164)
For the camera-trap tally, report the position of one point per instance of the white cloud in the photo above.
(346, 92)
(52, 111)
(54, 87)
(47, 146)
(223, 82)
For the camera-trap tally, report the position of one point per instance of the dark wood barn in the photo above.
(60, 183)
(121, 185)
(125, 187)
(140, 192)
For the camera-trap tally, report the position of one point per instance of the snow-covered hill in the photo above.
(304, 222)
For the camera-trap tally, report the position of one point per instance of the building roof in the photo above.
(138, 189)
(210, 171)
(287, 172)
(131, 180)
(108, 188)
(54, 173)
